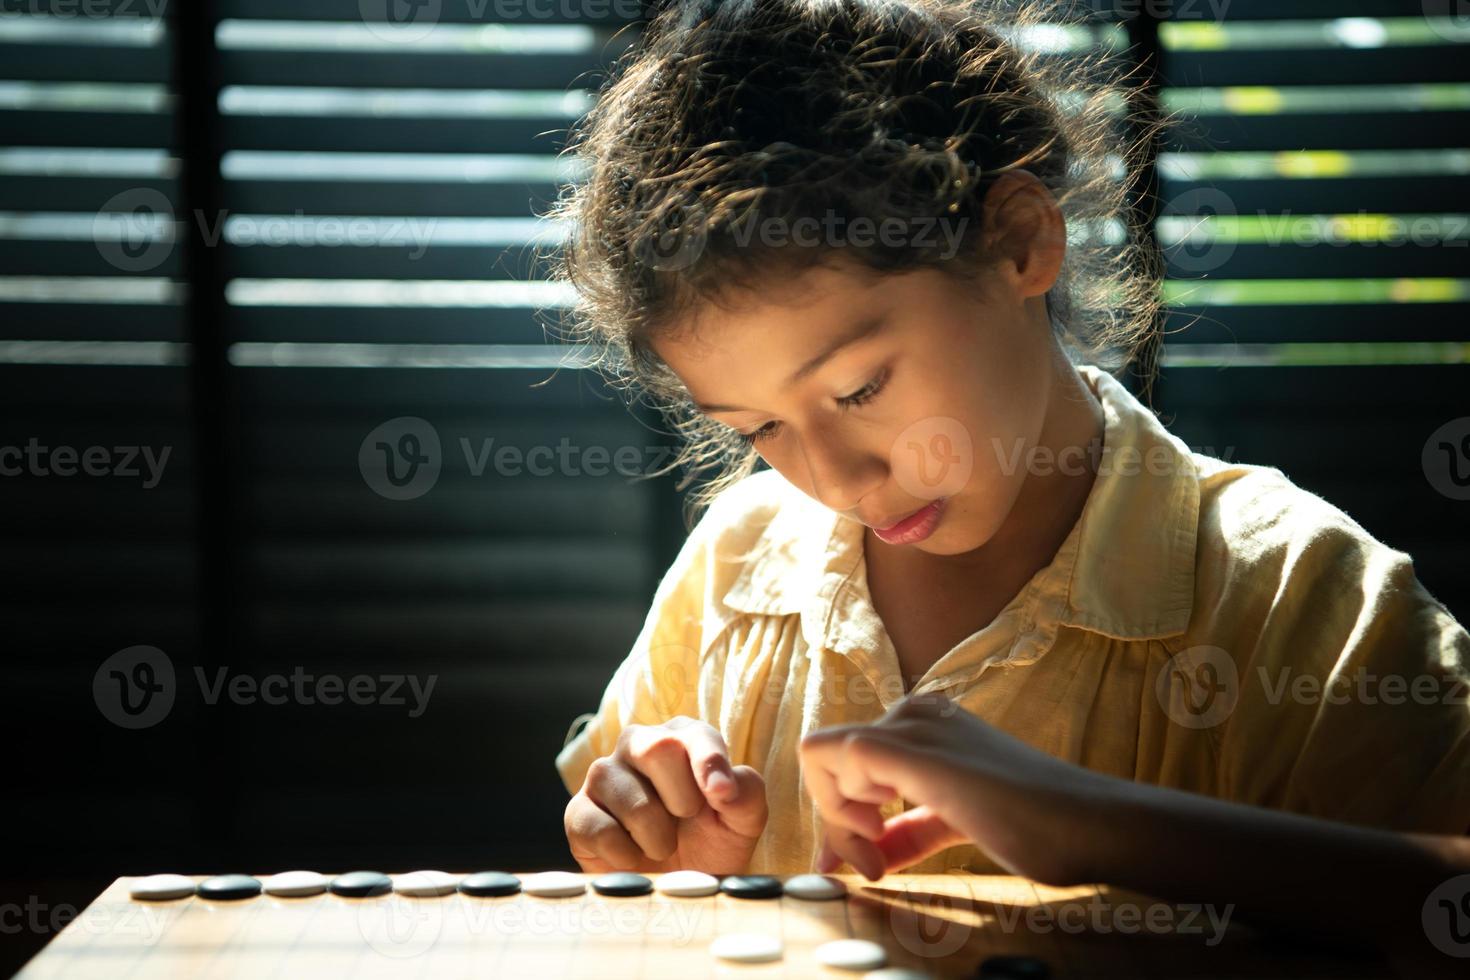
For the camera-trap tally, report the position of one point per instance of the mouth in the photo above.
(915, 527)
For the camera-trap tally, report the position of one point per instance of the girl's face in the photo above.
(879, 394)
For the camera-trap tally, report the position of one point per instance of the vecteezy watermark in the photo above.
(136, 230)
(1446, 458)
(933, 457)
(1198, 687)
(401, 927)
(135, 688)
(1362, 686)
(299, 687)
(1201, 687)
(1446, 917)
(407, 21)
(42, 918)
(89, 9)
(931, 924)
(1098, 915)
(1157, 460)
(1450, 19)
(676, 237)
(35, 459)
(403, 458)
(1214, 10)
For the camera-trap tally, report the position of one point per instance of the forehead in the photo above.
(791, 312)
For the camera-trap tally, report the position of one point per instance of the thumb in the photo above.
(745, 814)
(914, 835)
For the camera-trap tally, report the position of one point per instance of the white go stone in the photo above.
(897, 973)
(425, 884)
(687, 884)
(815, 888)
(747, 947)
(851, 954)
(159, 888)
(554, 884)
(295, 884)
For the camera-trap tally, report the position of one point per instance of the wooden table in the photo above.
(942, 925)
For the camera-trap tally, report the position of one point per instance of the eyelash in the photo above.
(862, 396)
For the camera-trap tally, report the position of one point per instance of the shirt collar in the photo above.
(1125, 570)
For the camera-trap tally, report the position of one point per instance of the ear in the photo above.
(1025, 235)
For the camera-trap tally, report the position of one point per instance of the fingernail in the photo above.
(721, 786)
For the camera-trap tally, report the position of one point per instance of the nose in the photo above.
(841, 473)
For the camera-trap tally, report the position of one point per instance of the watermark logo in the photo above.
(401, 927)
(1198, 687)
(1197, 250)
(400, 21)
(933, 457)
(675, 241)
(1446, 917)
(134, 230)
(1446, 459)
(1450, 19)
(401, 458)
(35, 459)
(134, 688)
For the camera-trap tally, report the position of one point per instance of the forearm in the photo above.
(1185, 847)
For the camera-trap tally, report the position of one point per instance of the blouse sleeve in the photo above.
(658, 678)
(1353, 702)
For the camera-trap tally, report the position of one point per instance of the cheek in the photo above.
(1000, 412)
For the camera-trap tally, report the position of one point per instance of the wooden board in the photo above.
(942, 925)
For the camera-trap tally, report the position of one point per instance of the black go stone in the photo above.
(751, 886)
(622, 884)
(361, 884)
(1013, 968)
(228, 888)
(490, 884)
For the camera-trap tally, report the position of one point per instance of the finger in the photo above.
(824, 761)
(914, 835)
(746, 812)
(709, 760)
(827, 859)
(597, 841)
(632, 801)
(659, 754)
(857, 851)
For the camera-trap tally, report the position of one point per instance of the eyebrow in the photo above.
(866, 327)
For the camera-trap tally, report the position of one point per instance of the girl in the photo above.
(867, 242)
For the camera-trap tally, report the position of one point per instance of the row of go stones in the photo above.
(426, 884)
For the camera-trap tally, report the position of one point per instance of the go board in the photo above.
(952, 925)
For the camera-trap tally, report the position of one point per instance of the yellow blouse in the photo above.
(1206, 625)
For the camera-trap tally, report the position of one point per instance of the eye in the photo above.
(862, 396)
(866, 393)
(764, 432)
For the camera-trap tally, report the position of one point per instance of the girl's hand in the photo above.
(667, 798)
(970, 783)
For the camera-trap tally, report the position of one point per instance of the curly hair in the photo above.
(877, 109)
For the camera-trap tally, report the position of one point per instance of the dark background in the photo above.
(263, 549)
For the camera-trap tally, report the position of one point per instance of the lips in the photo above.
(893, 525)
(915, 527)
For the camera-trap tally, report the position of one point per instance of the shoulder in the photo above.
(747, 506)
(760, 542)
(1259, 518)
(1273, 554)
